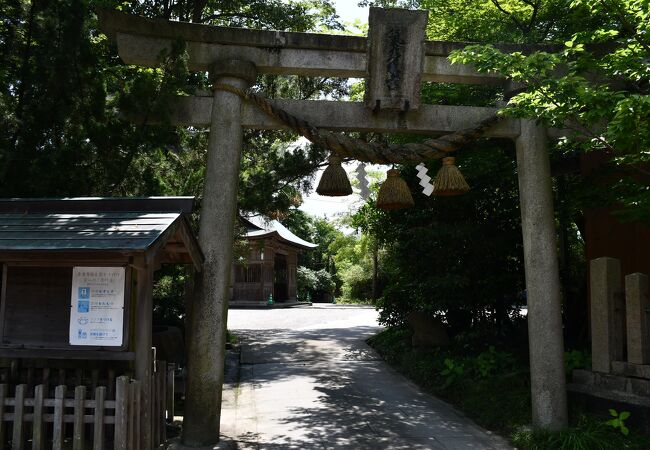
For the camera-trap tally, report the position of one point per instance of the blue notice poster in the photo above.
(97, 306)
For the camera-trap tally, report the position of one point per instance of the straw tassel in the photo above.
(334, 182)
(394, 193)
(449, 180)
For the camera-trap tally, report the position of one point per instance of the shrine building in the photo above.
(271, 267)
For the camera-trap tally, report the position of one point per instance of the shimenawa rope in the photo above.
(373, 152)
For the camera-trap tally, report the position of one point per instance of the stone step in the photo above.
(599, 401)
(631, 370)
(613, 383)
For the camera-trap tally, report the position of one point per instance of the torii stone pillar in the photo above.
(209, 311)
(546, 341)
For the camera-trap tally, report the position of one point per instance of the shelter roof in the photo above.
(132, 225)
(259, 227)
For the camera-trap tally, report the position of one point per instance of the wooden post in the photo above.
(94, 377)
(46, 380)
(98, 437)
(207, 342)
(19, 414)
(110, 388)
(3, 428)
(161, 400)
(545, 337)
(607, 341)
(133, 413)
(78, 437)
(137, 389)
(143, 356)
(30, 379)
(13, 370)
(59, 411)
(122, 413)
(261, 296)
(155, 400)
(37, 429)
(169, 396)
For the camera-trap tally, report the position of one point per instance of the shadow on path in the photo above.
(327, 389)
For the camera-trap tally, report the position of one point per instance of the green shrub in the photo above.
(489, 362)
(618, 421)
(492, 387)
(452, 372)
(169, 296)
(324, 282)
(576, 359)
(311, 283)
(231, 338)
(357, 283)
(484, 384)
(306, 282)
(587, 434)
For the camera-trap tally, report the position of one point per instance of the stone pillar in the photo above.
(207, 341)
(545, 335)
(637, 308)
(607, 341)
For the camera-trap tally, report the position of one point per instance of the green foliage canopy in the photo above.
(597, 87)
(66, 100)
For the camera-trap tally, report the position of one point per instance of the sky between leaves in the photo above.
(313, 203)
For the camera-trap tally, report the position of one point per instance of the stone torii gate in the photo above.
(394, 59)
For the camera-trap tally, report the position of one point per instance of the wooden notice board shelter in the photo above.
(76, 301)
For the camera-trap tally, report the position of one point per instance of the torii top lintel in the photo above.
(140, 41)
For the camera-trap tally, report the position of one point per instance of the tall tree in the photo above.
(64, 95)
(597, 86)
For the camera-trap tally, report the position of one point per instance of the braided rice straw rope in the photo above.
(372, 152)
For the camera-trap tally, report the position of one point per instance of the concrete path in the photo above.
(309, 381)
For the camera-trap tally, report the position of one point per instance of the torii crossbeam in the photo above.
(394, 59)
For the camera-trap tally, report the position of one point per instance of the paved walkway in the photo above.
(309, 381)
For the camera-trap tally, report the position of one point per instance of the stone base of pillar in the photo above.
(223, 444)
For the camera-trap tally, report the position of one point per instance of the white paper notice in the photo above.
(97, 306)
